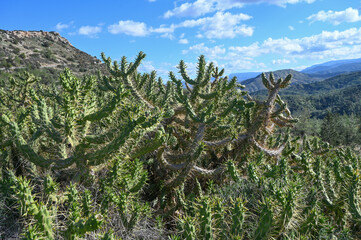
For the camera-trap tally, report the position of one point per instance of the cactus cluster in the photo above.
(193, 158)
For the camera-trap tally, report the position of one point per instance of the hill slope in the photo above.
(44, 52)
(330, 84)
(339, 94)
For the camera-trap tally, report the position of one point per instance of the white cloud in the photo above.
(60, 26)
(323, 46)
(348, 15)
(251, 51)
(183, 41)
(146, 66)
(209, 52)
(281, 3)
(195, 9)
(129, 27)
(202, 7)
(244, 64)
(163, 29)
(284, 45)
(152, 0)
(168, 35)
(280, 61)
(89, 30)
(292, 28)
(220, 25)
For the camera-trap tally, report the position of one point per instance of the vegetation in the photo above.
(332, 103)
(125, 156)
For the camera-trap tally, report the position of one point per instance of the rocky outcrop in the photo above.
(19, 34)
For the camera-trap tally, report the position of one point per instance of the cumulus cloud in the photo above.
(210, 52)
(89, 30)
(129, 27)
(327, 44)
(251, 51)
(244, 64)
(146, 66)
(163, 29)
(221, 25)
(201, 7)
(195, 9)
(348, 15)
(61, 26)
(322, 46)
(280, 61)
(140, 29)
(281, 3)
(183, 41)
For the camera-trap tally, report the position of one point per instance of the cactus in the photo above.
(203, 111)
(77, 115)
(220, 219)
(238, 218)
(188, 228)
(145, 150)
(319, 177)
(354, 204)
(43, 226)
(121, 189)
(265, 222)
(233, 171)
(44, 222)
(205, 213)
(80, 221)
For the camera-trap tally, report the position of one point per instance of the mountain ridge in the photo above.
(314, 73)
(255, 84)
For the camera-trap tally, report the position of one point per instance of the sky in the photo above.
(237, 35)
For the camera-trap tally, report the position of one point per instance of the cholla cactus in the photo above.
(210, 108)
(205, 213)
(43, 226)
(69, 125)
(167, 141)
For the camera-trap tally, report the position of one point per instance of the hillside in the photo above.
(255, 84)
(327, 85)
(339, 94)
(340, 101)
(45, 53)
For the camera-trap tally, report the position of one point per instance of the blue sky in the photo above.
(238, 35)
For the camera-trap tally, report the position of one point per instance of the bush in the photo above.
(47, 53)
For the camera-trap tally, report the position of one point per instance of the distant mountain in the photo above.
(327, 85)
(333, 68)
(45, 53)
(244, 76)
(255, 84)
(339, 94)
